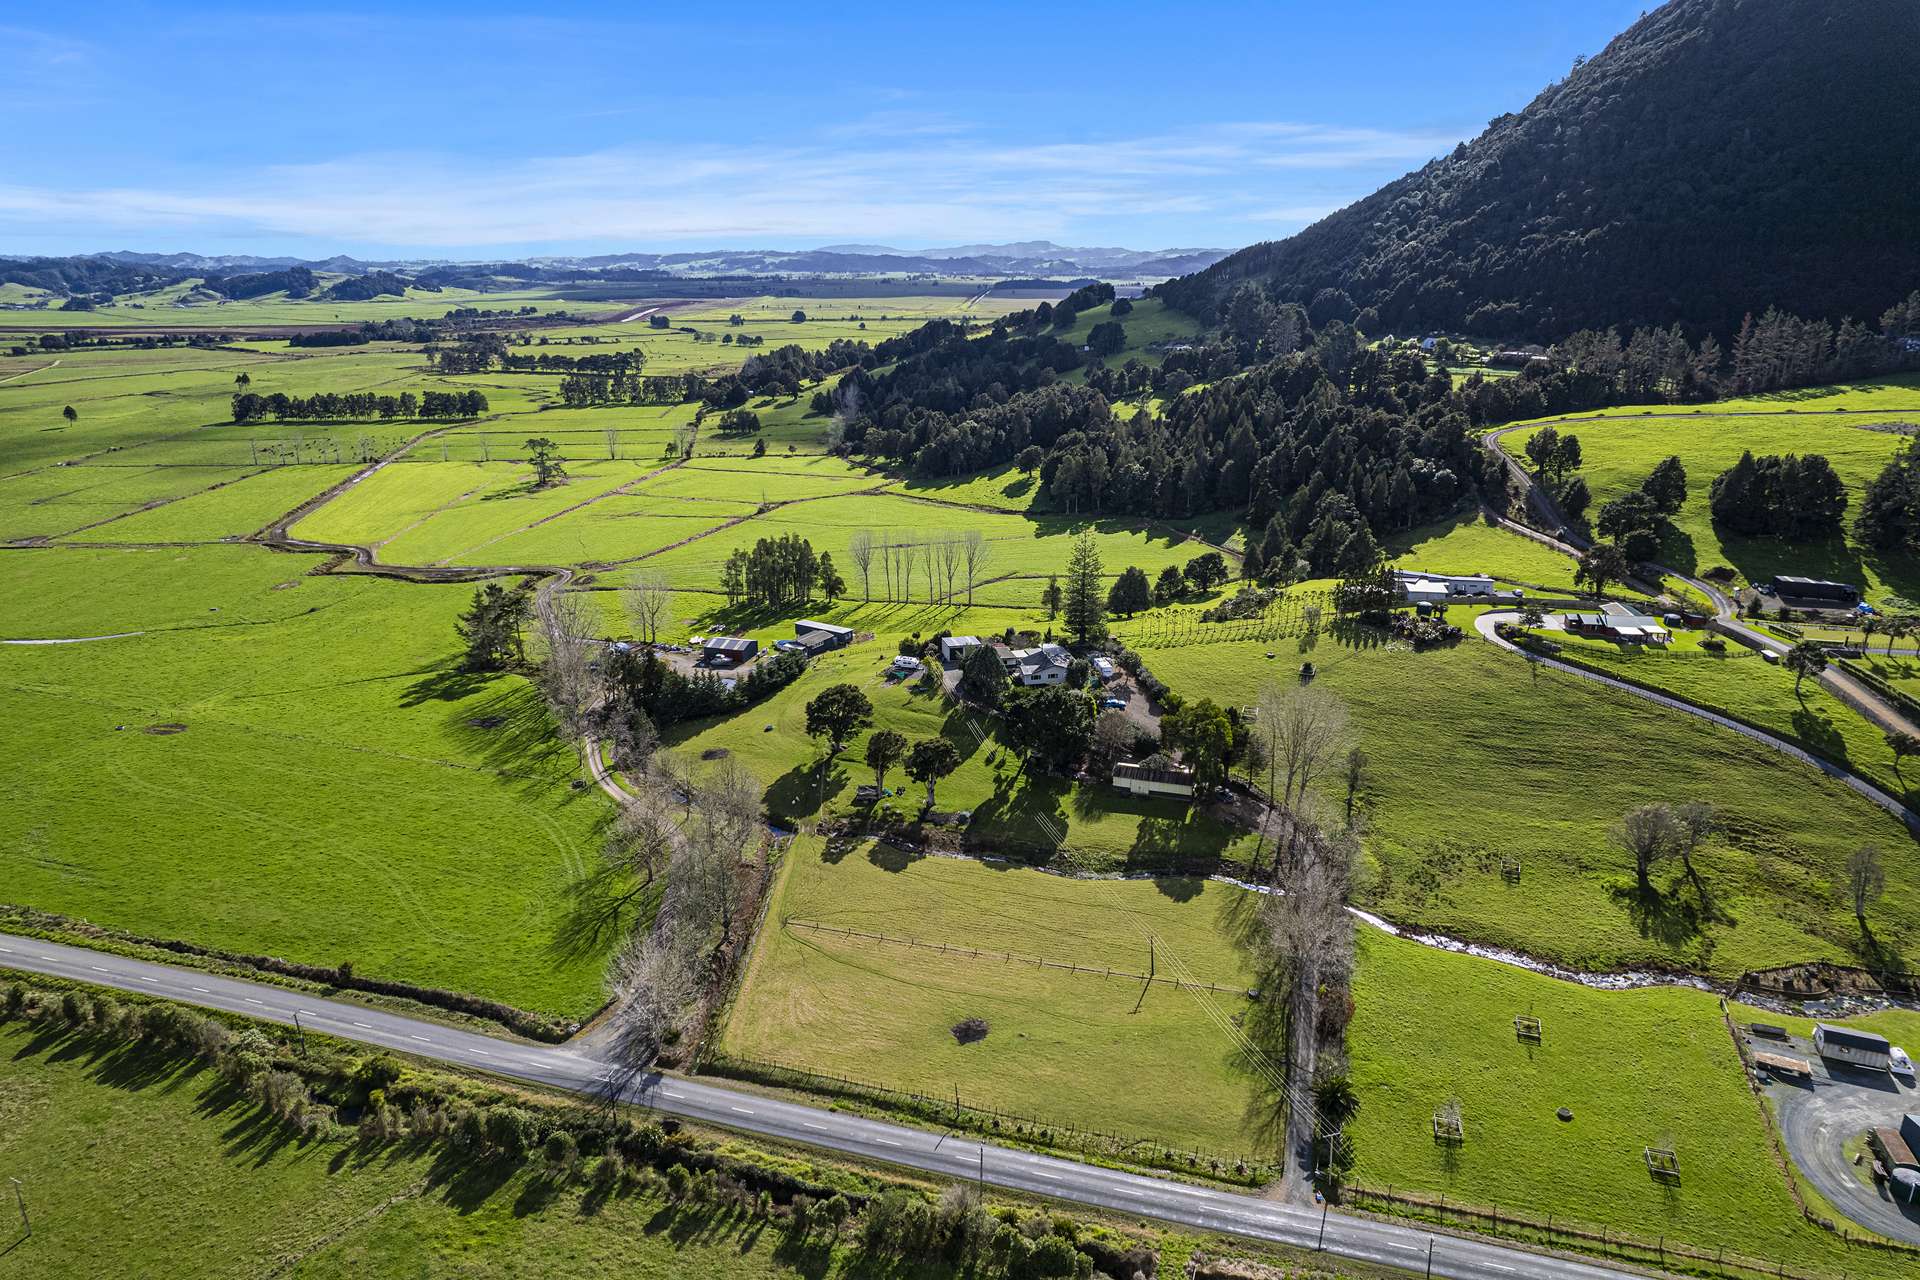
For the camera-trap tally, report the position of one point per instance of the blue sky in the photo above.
(482, 130)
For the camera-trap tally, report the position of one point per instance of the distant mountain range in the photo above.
(1018, 259)
(1717, 158)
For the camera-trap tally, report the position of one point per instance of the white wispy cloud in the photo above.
(900, 176)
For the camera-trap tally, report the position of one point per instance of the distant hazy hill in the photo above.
(1720, 156)
(1024, 259)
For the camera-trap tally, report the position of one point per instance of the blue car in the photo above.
(1113, 703)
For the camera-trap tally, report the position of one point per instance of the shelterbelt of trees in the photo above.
(330, 406)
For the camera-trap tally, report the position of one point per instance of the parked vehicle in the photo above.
(1113, 703)
(1899, 1063)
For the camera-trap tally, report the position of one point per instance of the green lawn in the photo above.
(141, 1167)
(1476, 755)
(1643, 1068)
(1620, 451)
(1061, 1046)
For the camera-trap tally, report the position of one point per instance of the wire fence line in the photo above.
(1660, 1251)
(962, 951)
(1245, 1169)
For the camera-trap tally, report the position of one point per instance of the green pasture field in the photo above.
(1477, 755)
(1619, 452)
(1646, 1068)
(339, 792)
(1079, 1048)
(138, 1165)
(1738, 682)
(240, 503)
(1895, 394)
(1012, 809)
(1467, 544)
(1003, 489)
(1151, 321)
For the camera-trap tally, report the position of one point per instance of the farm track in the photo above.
(23, 373)
(1486, 623)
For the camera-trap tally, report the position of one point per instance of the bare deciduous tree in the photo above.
(1652, 834)
(568, 677)
(860, 550)
(647, 598)
(951, 556)
(1304, 730)
(651, 981)
(978, 552)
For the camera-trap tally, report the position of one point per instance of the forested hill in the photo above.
(1719, 157)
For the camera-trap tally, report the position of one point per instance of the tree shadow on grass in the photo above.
(798, 792)
(512, 733)
(891, 857)
(448, 682)
(1664, 916)
(1819, 734)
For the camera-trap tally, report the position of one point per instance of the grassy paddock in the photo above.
(1641, 1068)
(1476, 756)
(1081, 1048)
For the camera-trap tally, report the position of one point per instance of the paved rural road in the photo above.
(1205, 1208)
(1486, 623)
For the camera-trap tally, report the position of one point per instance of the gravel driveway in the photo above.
(1817, 1119)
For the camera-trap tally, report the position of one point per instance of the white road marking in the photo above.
(674, 1095)
(1054, 1176)
(742, 1110)
(49, 957)
(144, 978)
(96, 968)
(8, 950)
(887, 1141)
(811, 1125)
(251, 1000)
(421, 1039)
(364, 1026)
(203, 991)
(483, 1053)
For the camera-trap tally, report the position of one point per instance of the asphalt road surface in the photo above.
(1205, 1208)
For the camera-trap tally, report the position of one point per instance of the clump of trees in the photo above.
(1640, 519)
(780, 571)
(1795, 496)
(898, 565)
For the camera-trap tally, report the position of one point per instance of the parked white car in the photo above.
(1899, 1063)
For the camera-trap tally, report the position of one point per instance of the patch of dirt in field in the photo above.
(163, 730)
(288, 585)
(971, 1031)
(715, 753)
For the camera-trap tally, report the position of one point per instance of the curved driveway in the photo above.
(1486, 623)
(1389, 1243)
